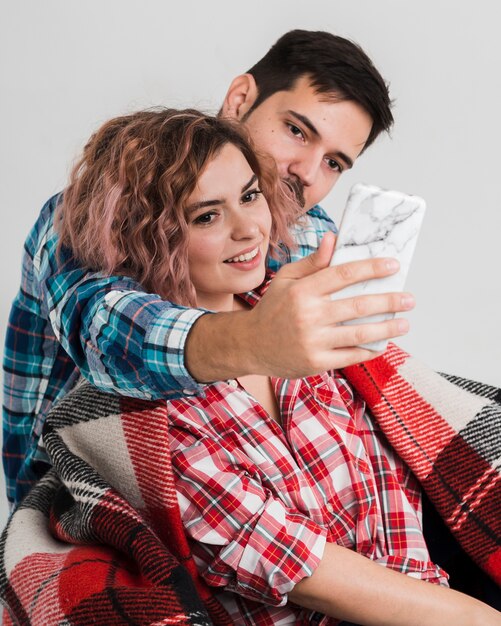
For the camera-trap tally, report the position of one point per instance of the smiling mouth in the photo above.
(241, 258)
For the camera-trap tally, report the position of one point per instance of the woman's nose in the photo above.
(244, 227)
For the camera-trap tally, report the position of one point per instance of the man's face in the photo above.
(312, 139)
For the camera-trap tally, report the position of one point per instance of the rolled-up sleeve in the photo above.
(251, 542)
(122, 339)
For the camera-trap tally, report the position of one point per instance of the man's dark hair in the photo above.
(336, 66)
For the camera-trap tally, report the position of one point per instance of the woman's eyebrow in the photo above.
(206, 203)
(202, 205)
(251, 182)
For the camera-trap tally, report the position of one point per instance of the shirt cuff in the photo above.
(270, 555)
(422, 570)
(165, 343)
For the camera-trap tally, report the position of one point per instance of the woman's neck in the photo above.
(258, 386)
(219, 303)
(222, 304)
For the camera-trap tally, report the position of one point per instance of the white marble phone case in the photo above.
(378, 223)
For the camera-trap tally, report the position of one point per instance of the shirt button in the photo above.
(233, 383)
(329, 507)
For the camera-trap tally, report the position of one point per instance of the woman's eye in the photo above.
(297, 132)
(205, 218)
(251, 196)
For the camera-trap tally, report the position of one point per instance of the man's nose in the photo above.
(306, 170)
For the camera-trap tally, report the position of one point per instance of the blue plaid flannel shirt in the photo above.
(66, 322)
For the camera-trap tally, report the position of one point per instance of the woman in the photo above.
(284, 487)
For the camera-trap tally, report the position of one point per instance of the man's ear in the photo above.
(240, 97)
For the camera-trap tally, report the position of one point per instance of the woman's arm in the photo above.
(349, 586)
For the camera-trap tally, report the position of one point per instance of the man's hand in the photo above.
(294, 330)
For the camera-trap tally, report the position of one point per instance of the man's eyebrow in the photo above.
(344, 157)
(305, 120)
(207, 203)
(309, 124)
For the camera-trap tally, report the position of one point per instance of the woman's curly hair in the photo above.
(123, 211)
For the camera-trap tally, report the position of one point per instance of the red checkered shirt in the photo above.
(259, 499)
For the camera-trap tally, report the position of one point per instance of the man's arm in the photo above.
(125, 340)
(349, 586)
(292, 332)
(121, 338)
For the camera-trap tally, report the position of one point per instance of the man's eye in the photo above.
(334, 165)
(251, 196)
(205, 218)
(297, 132)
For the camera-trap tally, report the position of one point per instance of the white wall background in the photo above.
(67, 66)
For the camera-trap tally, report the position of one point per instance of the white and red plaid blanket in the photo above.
(99, 540)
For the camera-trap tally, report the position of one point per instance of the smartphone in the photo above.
(377, 223)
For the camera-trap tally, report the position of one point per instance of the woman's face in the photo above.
(229, 224)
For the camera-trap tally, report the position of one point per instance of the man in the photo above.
(313, 103)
